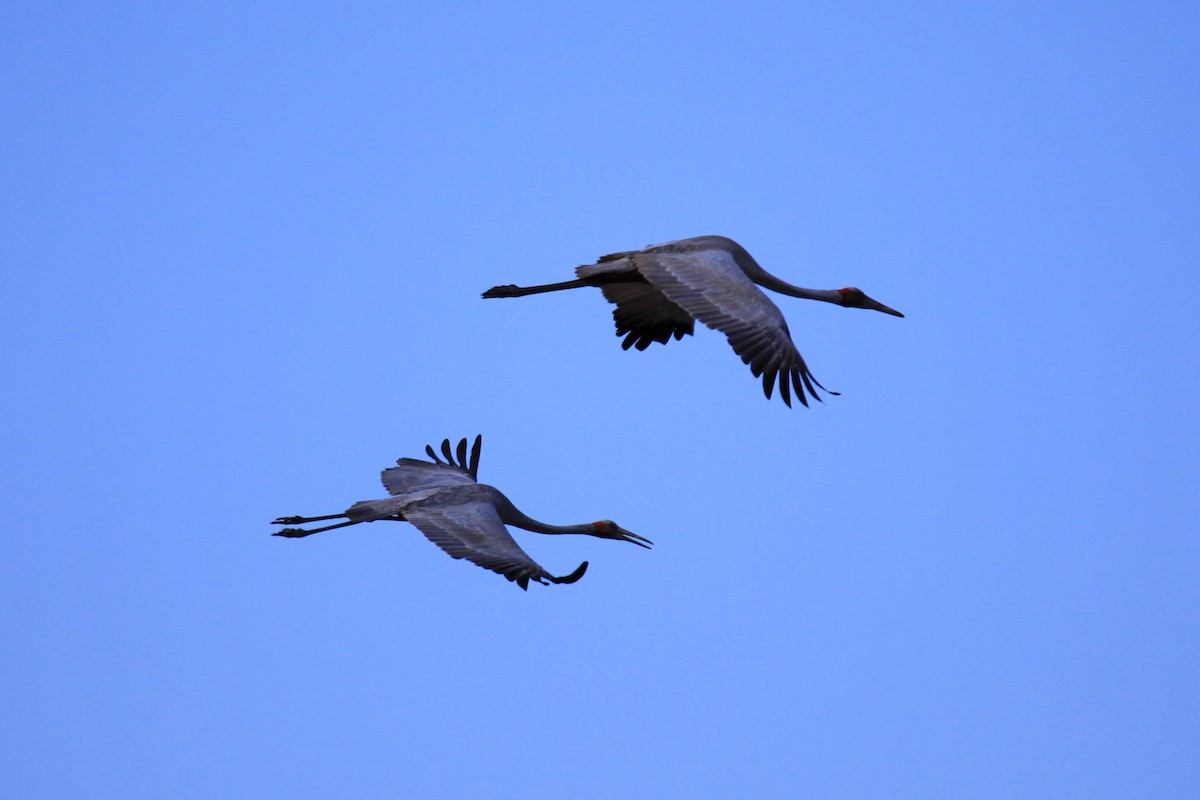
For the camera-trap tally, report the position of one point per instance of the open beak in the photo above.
(878, 306)
(629, 536)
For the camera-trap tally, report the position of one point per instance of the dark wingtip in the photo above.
(768, 382)
(799, 386)
(474, 466)
(574, 576)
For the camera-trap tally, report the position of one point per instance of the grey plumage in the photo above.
(466, 519)
(661, 290)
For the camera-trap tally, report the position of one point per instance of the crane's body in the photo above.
(660, 291)
(465, 518)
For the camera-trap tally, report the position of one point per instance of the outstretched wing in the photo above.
(465, 524)
(643, 314)
(710, 286)
(411, 474)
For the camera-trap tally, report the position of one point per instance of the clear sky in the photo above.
(243, 249)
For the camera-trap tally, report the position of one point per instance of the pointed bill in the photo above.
(878, 306)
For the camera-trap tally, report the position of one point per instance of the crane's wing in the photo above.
(710, 286)
(643, 314)
(411, 474)
(468, 526)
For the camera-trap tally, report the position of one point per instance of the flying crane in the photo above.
(661, 291)
(445, 501)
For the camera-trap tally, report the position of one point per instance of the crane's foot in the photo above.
(298, 520)
(507, 290)
(292, 533)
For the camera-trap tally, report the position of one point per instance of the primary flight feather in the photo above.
(660, 291)
(467, 519)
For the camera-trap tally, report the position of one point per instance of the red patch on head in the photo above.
(598, 526)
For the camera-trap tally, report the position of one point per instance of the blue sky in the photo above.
(243, 250)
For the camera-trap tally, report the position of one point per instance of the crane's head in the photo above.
(855, 298)
(607, 529)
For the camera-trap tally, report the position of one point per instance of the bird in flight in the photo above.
(661, 291)
(444, 500)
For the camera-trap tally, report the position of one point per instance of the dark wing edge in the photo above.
(774, 360)
(574, 576)
(470, 467)
(474, 531)
(643, 314)
(726, 301)
(413, 474)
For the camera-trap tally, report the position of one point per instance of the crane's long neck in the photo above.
(765, 279)
(769, 281)
(514, 516)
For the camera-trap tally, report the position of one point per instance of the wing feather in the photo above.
(466, 525)
(711, 287)
(643, 314)
(411, 474)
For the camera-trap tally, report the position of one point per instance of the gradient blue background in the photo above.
(243, 250)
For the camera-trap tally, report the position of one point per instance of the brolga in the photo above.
(445, 501)
(661, 291)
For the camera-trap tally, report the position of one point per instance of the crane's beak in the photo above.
(630, 536)
(878, 306)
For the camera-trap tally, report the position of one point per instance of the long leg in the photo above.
(296, 533)
(510, 290)
(598, 280)
(302, 520)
